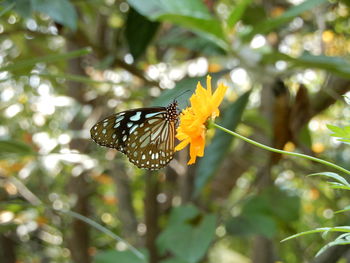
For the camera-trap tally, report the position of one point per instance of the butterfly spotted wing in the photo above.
(145, 135)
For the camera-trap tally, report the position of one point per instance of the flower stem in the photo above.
(268, 148)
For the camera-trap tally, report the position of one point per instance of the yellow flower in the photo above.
(192, 128)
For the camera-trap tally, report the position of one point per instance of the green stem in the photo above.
(268, 148)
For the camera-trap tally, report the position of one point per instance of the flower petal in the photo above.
(192, 128)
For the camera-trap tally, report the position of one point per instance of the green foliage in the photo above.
(263, 213)
(139, 42)
(184, 89)
(338, 182)
(13, 148)
(270, 24)
(188, 234)
(28, 63)
(112, 256)
(343, 133)
(191, 14)
(237, 12)
(61, 11)
(336, 65)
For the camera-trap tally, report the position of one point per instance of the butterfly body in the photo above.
(145, 135)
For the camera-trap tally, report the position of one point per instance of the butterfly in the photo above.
(145, 135)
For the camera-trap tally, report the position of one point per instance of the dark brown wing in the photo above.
(145, 135)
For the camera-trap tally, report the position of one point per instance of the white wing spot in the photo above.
(129, 124)
(152, 121)
(119, 119)
(114, 135)
(117, 125)
(136, 117)
(133, 128)
(124, 138)
(105, 124)
(150, 115)
(104, 131)
(143, 157)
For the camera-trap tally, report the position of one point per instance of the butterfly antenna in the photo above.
(182, 93)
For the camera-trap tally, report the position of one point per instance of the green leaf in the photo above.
(9, 5)
(272, 23)
(191, 14)
(343, 239)
(216, 151)
(341, 132)
(112, 256)
(173, 260)
(255, 224)
(18, 65)
(336, 65)
(237, 12)
(179, 37)
(304, 136)
(139, 41)
(320, 230)
(184, 89)
(346, 209)
(188, 238)
(334, 176)
(262, 213)
(8, 148)
(61, 11)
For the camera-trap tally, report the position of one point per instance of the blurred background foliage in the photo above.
(65, 64)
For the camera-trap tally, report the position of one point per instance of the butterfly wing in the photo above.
(151, 145)
(145, 135)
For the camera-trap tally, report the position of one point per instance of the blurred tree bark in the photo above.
(79, 185)
(7, 249)
(151, 214)
(126, 211)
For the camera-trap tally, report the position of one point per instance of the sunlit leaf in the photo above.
(191, 14)
(294, 11)
(336, 65)
(61, 11)
(320, 230)
(334, 176)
